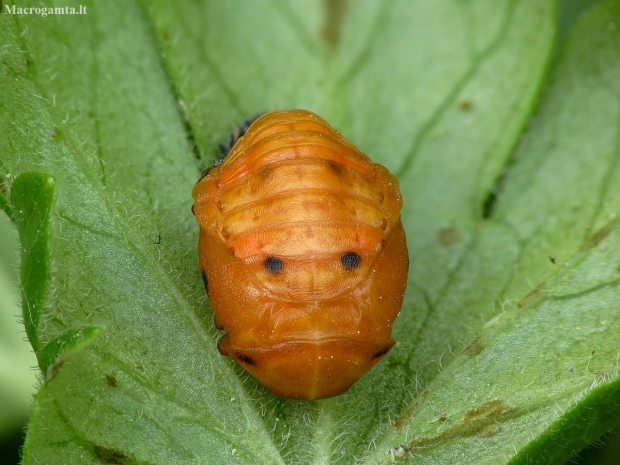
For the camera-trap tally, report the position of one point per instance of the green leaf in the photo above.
(32, 196)
(508, 338)
(54, 354)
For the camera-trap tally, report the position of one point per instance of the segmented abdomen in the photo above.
(294, 190)
(303, 255)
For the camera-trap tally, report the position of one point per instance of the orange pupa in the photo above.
(303, 255)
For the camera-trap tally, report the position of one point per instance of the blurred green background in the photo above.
(18, 374)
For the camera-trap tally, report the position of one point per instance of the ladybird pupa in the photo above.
(307, 263)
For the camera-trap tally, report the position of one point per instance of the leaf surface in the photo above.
(509, 330)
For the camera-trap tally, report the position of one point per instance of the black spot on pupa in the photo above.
(274, 265)
(265, 174)
(193, 212)
(245, 359)
(381, 352)
(335, 167)
(205, 281)
(350, 261)
(217, 323)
